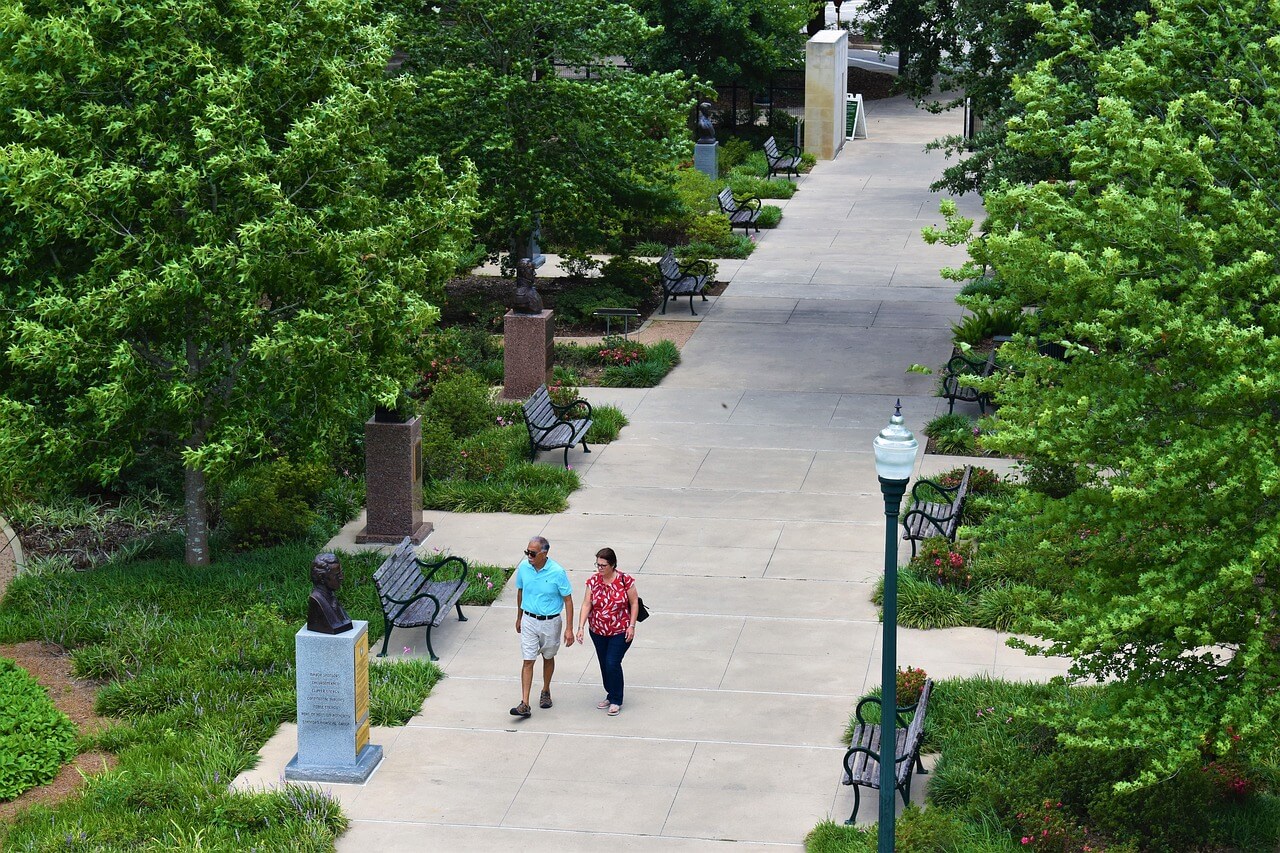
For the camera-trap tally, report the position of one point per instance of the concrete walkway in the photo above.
(743, 497)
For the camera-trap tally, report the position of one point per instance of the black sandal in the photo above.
(544, 699)
(521, 710)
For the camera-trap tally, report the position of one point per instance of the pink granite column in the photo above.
(526, 360)
(393, 482)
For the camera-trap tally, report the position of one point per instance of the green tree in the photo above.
(1158, 263)
(726, 42)
(527, 91)
(951, 51)
(204, 239)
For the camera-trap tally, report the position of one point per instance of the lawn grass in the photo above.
(197, 665)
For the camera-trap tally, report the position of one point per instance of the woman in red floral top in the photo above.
(609, 608)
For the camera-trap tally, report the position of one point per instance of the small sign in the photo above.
(855, 117)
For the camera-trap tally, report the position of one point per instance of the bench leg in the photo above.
(920, 765)
(857, 801)
(430, 650)
(386, 636)
(533, 450)
(691, 311)
(461, 618)
(665, 297)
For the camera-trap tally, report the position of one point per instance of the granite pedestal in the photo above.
(527, 354)
(393, 483)
(333, 707)
(706, 158)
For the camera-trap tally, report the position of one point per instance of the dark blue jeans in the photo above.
(610, 650)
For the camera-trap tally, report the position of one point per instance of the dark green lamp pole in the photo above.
(895, 448)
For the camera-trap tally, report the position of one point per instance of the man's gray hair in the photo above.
(543, 545)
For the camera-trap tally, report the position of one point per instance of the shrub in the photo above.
(462, 403)
(985, 323)
(36, 739)
(910, 683)
(639, 280)
(744, 185)
(615, 350)
(807, 161)
(754, 165)
(577, 304)
(643, 374)
(696, 192)
(987, 285)
(1057, 480)
(952, 433)
(462, 496)
(738, 246)
(486, 455)
(733, 151)
(606, 423)
(925, 605)
(713, 228)
(943, 563)
(770, 216)
(649, 249)
(272, 503)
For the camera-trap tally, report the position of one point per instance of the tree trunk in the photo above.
(196, 503)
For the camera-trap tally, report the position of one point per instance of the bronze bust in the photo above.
(706, 130)
(324, 612)
(527, 299)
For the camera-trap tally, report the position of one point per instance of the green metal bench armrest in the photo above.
(693, 267)
(561, 411)
(945, 491)
(748, 201)
(433, 569)
(857, 712)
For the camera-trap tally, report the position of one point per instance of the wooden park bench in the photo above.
(927, 519)
(550, 428)
(965, 366)
(862, 759)
(418, 592)
(742, 211)
(683, 279)
(785, 160)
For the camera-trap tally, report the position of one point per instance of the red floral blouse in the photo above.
(610, 609)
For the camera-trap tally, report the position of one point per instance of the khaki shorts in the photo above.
(540, 637)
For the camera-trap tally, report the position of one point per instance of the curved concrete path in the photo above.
(743, 497)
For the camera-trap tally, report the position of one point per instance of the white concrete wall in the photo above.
(826, 74)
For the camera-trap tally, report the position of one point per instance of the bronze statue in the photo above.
(527, 299)
(324, 612)
(706, 130)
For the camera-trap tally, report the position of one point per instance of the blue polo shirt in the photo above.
(544, 591)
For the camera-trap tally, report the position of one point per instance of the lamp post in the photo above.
(895, 448)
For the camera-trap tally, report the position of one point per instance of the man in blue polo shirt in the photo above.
(542, 591)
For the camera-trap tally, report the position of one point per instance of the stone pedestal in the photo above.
(333, 708)
(528, 340)
(706, 158)
(393, 482)
(826, 82)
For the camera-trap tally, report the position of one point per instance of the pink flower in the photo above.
(488, 586)
(1026, 840)
(406, 650)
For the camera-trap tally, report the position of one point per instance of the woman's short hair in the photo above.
(608, 556)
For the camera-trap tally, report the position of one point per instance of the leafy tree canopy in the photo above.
(1158, 263)
(953, 50)
(726, 42)
(204, 239)
(528, 91)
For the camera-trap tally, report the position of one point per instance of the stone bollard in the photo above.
(393, 482)
(529, 340)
